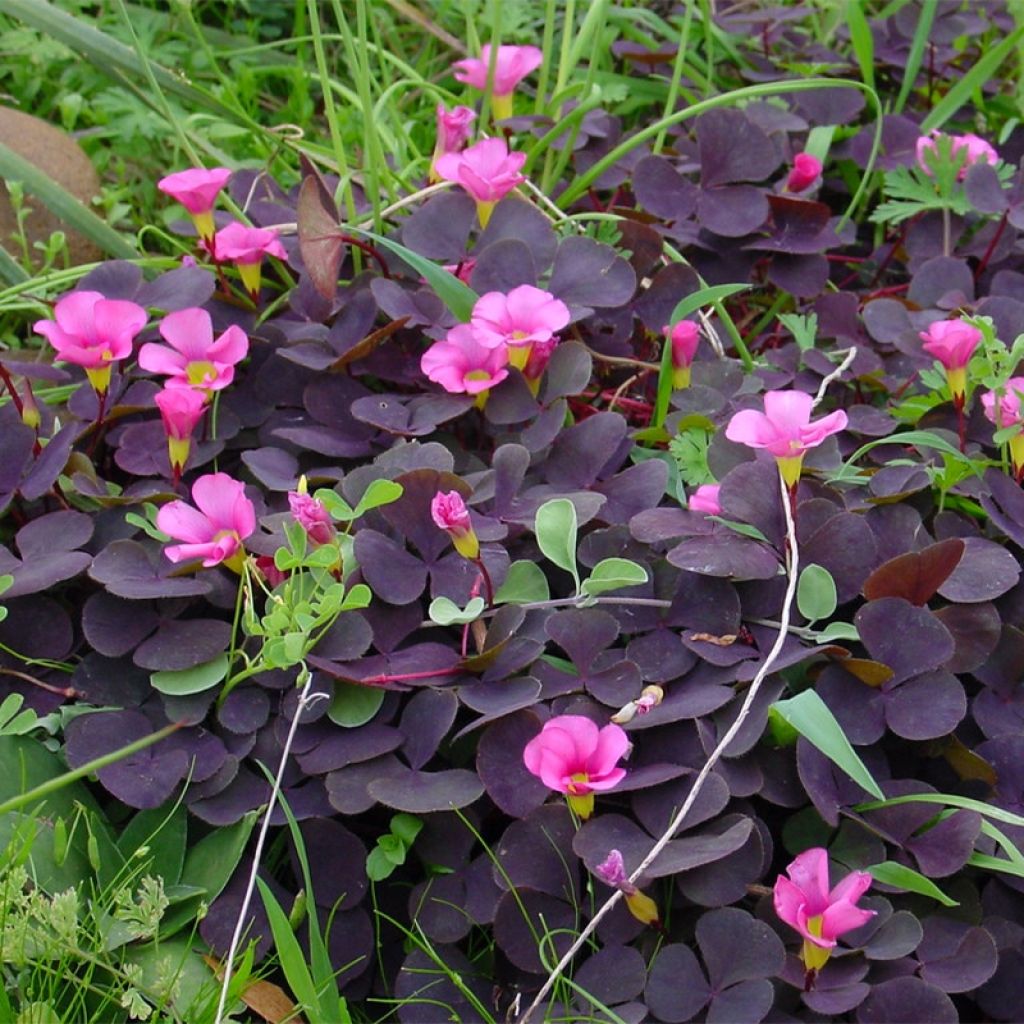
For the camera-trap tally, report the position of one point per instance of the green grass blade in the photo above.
(811, 717)
(11, 271)
(948, 800)
(921, 33)
(63, 205)
(984, 69)
(103, 51)
(889, 872)
(458, 297)
(289, 953)
(863, 41)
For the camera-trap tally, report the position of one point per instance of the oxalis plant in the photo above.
(584, 515)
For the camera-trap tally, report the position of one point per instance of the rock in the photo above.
(61, 158)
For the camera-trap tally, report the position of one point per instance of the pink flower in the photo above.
(684, 337)
(1006, 411)
(525, 317)
(197, 190)
(805, 902)
(461, 364)
(487, 171)
(194, 359)
(952, 342)
(804, 174)
(612, 871)
(572, 756)
(537, 363)
(1010, 413)
(513, 64)
(180, 409)
(246, 247)
(452, 133)
(216, 529)
(463, 270)
(93, 332)
(977, 150)
(705, 499)
(784, 429)
(311, 515)
(450, 514)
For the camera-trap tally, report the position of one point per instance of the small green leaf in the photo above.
(6, 582)
(742, 528)
(187, 681)
(837, 631)
(336, 505)
(378, 866)
(613, 574)
(358, 597)
(901, 877)
(811, 717)
(556, 527)
(380, 492)
(816, 593)
(407, 827)
(524, 583)
(446, 612)
(353, 705)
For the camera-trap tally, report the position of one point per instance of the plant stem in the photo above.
(275, 792)
(52, 785)
(947, 232)
(486, 577)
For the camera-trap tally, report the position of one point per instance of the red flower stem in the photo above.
(101, 413)
(370, 251)
(980, 268)
(401, 677)
(60, 691)
(465, 639)
(15, 397)
(961, 422)
(486, 577)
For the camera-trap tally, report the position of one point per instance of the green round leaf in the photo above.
(354, 705)
(191, 680)
(816, 593)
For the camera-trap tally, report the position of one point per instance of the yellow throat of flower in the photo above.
(99, 378)
(250, 274)
(501, 106)
(177, 451)
(1017, 451)
(814, 956)
(582, 804)
(200, 373)
(957, 380)
(789, 468)
(484, 209)
(519, 355)
(204, 225)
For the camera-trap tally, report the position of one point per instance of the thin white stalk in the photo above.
(275, 792)
(716, 755)
(851, 354)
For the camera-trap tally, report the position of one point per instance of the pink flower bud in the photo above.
(449, 512)
(312, 516)
(684, 338)
(805, 172)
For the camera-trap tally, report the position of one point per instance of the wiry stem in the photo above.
(275, 792)
(716, 755)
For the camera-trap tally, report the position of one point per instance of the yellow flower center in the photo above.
(200, 372)
(814, 956)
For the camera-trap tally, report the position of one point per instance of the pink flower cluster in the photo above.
(518, 329)
(195, 365)
(976, 150)
(1006, 411)
(197, 190)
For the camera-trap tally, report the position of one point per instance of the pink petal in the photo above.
(224, 502)
(582, 731)
(813, 435)
(231, 347)
(190, 331)
(751, 428)
(114, 318)
(851, 888)
(843, 917)
(612, 746)
(789, 411)
(448, 166)
(182, 522)
(158, 358)
(788, 900)
(75, 315)
(607, 781)
(809, 873)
